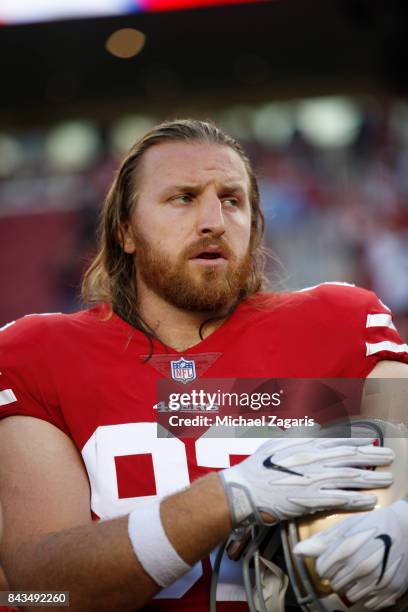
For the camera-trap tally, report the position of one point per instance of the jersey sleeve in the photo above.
(26, 384)
(382, 340)
(359, 327)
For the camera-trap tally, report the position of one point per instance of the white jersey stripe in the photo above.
(7, 397)
(42, 314)
(380, 320)
(393, 347)
(6, 326)
(340, 283)
(34, 314)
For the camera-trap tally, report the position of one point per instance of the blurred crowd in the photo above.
(335, 209)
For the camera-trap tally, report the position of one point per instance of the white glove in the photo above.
(365, 557)
(288, 478)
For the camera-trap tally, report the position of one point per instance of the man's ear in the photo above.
(127, 238)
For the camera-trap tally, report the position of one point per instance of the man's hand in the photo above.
(286, 478)
(365, 557)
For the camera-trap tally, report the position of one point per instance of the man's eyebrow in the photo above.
(238, 188)
(179, 187)
(234, 188)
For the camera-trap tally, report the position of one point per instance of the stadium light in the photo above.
(274, 123)
(125, 43)
(330, 122)
(72, 146)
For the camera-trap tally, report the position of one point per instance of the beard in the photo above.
(210, 289)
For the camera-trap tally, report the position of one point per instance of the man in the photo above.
(178, 275)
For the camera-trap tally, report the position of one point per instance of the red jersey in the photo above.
(87, 374)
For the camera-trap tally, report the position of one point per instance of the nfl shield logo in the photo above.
(183, 370)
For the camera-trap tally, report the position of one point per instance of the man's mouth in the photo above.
(212, 254)
(209, 256)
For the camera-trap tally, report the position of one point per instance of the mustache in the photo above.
(204, 243)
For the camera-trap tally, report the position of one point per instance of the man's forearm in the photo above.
(97, 564)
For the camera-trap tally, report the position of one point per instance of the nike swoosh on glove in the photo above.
(291, 477)
(365, 557)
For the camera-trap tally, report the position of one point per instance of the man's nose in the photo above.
(210, 216)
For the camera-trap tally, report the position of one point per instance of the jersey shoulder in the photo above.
(32, 349)
(22, 340)
(341, 296)
(346, 320)
(329, 298)
(344, 309)
(355, 316)
(33, 326)
(38, 338)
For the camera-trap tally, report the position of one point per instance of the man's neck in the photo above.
(175, 327)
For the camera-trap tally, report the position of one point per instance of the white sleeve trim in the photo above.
(392, 347)
(7, 397)
(380, 320)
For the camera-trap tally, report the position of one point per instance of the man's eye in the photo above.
(184, 198)
(231, 202)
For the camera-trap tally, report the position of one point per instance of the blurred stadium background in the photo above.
(315, 89)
